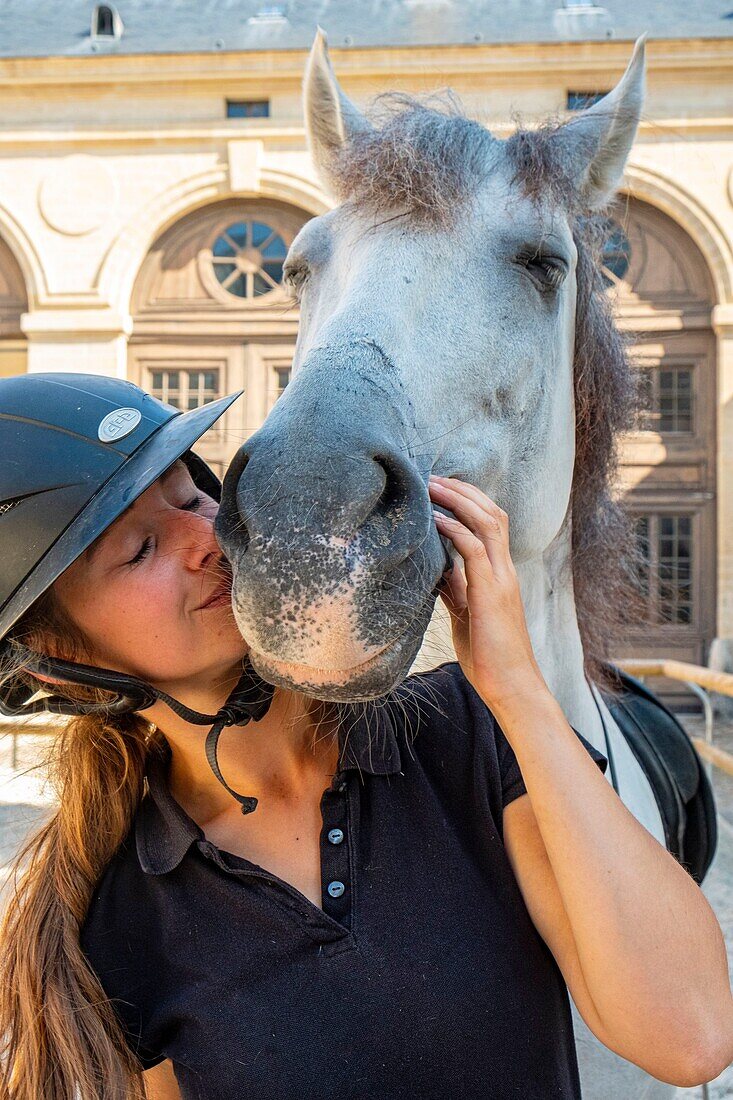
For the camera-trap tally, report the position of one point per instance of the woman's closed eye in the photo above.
(147, 545)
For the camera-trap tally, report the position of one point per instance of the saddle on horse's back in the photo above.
(667, 756)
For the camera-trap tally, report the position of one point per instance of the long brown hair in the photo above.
(59, 1036)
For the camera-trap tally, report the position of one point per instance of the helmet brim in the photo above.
(144, 466)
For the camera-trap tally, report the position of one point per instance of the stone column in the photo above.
(721, 651)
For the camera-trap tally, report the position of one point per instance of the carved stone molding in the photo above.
(78, 195)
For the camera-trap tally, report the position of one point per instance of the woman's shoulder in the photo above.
(445, 706)
(449, 739)
(116, 903)
(120, 939)
(444, 720)
(127, 904)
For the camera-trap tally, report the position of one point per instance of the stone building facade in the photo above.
(153, 171)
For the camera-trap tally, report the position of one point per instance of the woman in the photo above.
(403, 913)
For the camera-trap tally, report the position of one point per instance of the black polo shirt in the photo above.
(422, 976)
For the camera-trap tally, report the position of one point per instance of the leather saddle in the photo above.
(675, 772)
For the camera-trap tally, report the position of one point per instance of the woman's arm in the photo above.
(638, 944)
(160, 1082)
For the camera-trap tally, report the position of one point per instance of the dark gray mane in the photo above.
(427, 160)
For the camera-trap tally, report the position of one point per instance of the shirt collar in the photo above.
(163, 830)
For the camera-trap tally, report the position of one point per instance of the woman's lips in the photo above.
(219, 599)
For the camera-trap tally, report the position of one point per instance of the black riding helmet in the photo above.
(77, 450)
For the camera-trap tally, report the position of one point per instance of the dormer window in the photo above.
(271, 14)
(106, 22)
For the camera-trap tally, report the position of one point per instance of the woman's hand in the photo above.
(489, 629)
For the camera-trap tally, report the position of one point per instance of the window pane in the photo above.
(165, 386)
(261, 286)
(675, 399)
(578, 101)
(248, 108)
(223, 271)
(675, 569)
(237, 241)
(282, 376)
(275, 271)
(260, 233)
(223, 247)
(616, 252)
(238, 287)
(645, 395)
(276, 249)
(203, 386)
(238, 233)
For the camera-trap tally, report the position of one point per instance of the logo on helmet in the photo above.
(116, 425)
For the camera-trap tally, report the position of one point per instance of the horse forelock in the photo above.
(420, 157)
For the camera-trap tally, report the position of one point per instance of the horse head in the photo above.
(440, 332)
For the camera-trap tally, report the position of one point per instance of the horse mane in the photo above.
(426, 159)
(415, 157)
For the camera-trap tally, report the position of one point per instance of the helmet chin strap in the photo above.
(249, 700)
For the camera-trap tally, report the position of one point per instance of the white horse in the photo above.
(453, 320)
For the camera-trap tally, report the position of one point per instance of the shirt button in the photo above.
(336, 889)
(336, 836)
(342, 786)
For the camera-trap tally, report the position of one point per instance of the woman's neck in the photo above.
(280, 756)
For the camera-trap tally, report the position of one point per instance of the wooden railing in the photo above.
(700, 681)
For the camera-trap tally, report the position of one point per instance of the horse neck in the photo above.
(549, 601)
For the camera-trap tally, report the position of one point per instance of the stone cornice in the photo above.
(291, 136)
(441, 62)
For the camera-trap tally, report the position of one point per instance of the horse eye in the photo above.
(295, 272)
(549, 271)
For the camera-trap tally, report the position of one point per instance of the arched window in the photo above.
(248, 257)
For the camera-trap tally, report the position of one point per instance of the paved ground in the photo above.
(25, 801)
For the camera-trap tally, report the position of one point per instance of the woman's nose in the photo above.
(194, 540)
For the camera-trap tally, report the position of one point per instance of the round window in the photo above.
(248, 259)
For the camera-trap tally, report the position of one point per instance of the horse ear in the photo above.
(598, 141)
(330, 116)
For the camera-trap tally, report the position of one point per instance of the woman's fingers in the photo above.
(479, 571)
(472, 492)
(484, 519)
(454, 590)
(489, 629)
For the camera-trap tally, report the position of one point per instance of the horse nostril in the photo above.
(229, 522)
(395, 485)
(236, 468)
